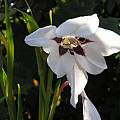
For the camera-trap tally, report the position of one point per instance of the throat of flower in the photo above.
(69, 42)
(72, 45)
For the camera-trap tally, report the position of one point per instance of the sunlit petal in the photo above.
(78, 79)
(41, 36)
(78, 26)
(89, 27)
(45, 32)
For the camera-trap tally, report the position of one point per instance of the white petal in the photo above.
(60, 65)
(45, 43)
(41, 36)
(94, 57)
(89, 110)
(107, 42)
(45, 32)
(77, 78)
(83, 62)
(78, 26)
(89, 27)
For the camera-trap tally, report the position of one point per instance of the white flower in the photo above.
(76, 47)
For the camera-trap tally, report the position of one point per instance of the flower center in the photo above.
(69, 42)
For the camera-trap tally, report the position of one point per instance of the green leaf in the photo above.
(19, 110)
(10, 46)
(10, 65)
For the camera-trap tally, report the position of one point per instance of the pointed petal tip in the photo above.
(89, 110)
(73, 103)
(27, 40)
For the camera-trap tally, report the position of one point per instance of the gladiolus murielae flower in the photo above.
(76, 47)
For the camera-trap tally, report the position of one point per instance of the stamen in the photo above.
(66, 41)
(69, 42)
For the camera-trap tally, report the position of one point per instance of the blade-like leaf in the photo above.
(10, 50)
(10, 65)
